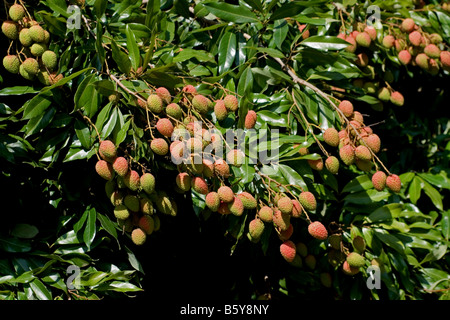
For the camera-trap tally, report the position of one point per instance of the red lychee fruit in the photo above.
(317, 230)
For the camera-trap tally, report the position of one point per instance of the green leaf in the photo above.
(367, 196)
(270, 51)
(24, 230)
(232, 13)
(245, 84)
(59, 6)
(292, 176)
(37, 105)
(100, 7)
(414, 190)
(445, 224)
(439, 180)
(90, 230)
(255, 4)
(293, 8)
(325, 43)
(119, 287)
(390, 240)
(17, 90)
(133, 49)
(227, 51)
(84, 134)
(108, 225)
(358, 184)
(433, 194)
(133, 260)
(65, 80)
(385, 213)
(11, 244)
(189, 53)
(40, 290)
(121, 58)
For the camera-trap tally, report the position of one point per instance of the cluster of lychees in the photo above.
(32, 58)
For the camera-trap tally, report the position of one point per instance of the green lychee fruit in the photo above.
(231, 103)
(281, 220)
(335, 241)
(250, 119)
(37, 33)
(11, 63)
(25, 74)
(138, 236)
(37, 49)
(326, 279)
(432, 51)
(107, 150)
(285, 205)
(121, 212)
(256, 228)
(307, 200)
(147, 224)
(248, 200)
(408, 25)
(363, 153)
(394, 183)
(435, 38)
(165, 127)
(50, 60)
(212, 201)
(384, 94)
(397, 98)
(199, 185)
(355, 260)
(146, 206)
(404, 57)
(379, 180)
(370, 87)
(346, 107)
(288, 250)
(317, 230)
(120, 166)
(159, 146)
(236, 207)
(200, 103)
(415, 38)
(364, 165)
(44, 77)
(104, 169)
(16, 12)
(164, 94)
(132, 203)
(359, 244)
(332, 164)
(174, 110)
(265, 214)
(331, 137)
(310, 261)
(25, 38)
(31, 66)
(347, 154)
(335, 257)
(132, 180)
(388, 41)
(225, 194)
(155, 103)
(10, 29)
(148, 182)
(363, 39)
(302, 249)
(183, 181)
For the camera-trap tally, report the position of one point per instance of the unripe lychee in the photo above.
(363, 39)
(363, 153)
(326, 280)
(302, 249)
(307, 200)
(49, 59)
(288, 250)
(174, 110)
(250, 119)
(147, 182)
(355, 260)
(265, 214)
(132, 180)
(220, 110)
(370, 87)
(347, 154)
(359, 244)
(221, 168)
(147, 224)
(346, 107)
(183, 181)
(25, 74)
(164, 94)
(399, 44)
(24, 37)
(310, 261)
(415, 38)
(121, 212)
(317, 230)
(352, 47)
(379, 180)
(138, 236)
(10, 29)
(256, 228)
(394, 183)
(397, 98)
(373, 142)
(31, 66)
(120, 166)
(199, 185)
(332, 164)
(435, 38)
(349, 270)
(155, 103)
(236, 207)
(225, 194)
(388, 41)
(335, 241)
(16, 12)
(281, 220)
(132, 203)
(104, 169)
(285, 205)
(165, 127)
(11, 63)
(146, 206)
(296, 209)
(231, 103)
(364, 165)
(116, 198)
(107, 150)
(404, 57)
(37, 33)
(212, 201)
(235, 157)
(159, 146)
(248, 200)
(200, 103)
(408, 25)
(384, 94)
(331, 137)
(432, 51)
(37, 49)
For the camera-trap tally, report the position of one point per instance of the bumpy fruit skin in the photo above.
(120, 166)
(138, 236)
(146, 206)
(159, 146)
(121, 212)
(404, 57)
(225, 194)
(199, 185)
(155, 103)
(256, 228)
(332, 164)
(37, 33)
(346, 107)
(317, 230)
(37, 49)
(363, 39)
(432, 51)
(394, 183)
(331, 137)
(104, 169)
(415, 38)
(363, 153)
(397, 99)
(379, 180)
(10, 29)
(31, 66)
(408, 25)
(11, 63)
(236, 207)
(212, 201)
(16, 12)
(362, 59)
(288, 250)
(147, 224)
(248, 200)
(50, 60)
(355, 260)
(223, 208)
(384, 94)
(174, 110)
(235, 157)
(373, 142)
(352, 47)
(285, 205)
(220, 110)
(231, 103)
(132, 202)
(24, 37)
(281, 220)
(445, 59)
(286, 234)
(183, 181)
(116, 198)
(200, 103)
(221, 168)
(388, 41)
(359, 244)
(265, 214)
(25, 74)
(364, 165)
(316, 164)
(250, 119)
(347, 154)
(307, 200)
(147, 182)
(164, 94)
(107, 150)
(349, 270)
(372, 32)
(132, 180)
(296, 209)
(165, 127)
(435, 38)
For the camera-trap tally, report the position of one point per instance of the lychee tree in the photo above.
(300, 134)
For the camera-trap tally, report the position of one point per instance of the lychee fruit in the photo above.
(37, 33)
(200, 103)
(155, 103)
(138, 236)
(302, 249)
(355, 260)
(212, 201)
(165, 127)
(432, 51)
(347, 154)
(284, 235)
(265, 214)
(10, 29)
(364, 165)
(393, 183)
(281, 220)
(363, 39)
(164, 94)
(310, 261)
(132, 203)
(16, 12)
(11, 63)
(107, 150)
(331, 137)
(296, 209)
(388, 41)
(248, 200)
(326, 279)
(317, 230)
(104, 169)
(223, 208)
(335, 241)
(31, 66)
(231, 103)
(285, 205)
(332, 164)
(221, 168)
(225, 194)
(399, 44)
(305, 33)
(37, 49)
(235, 157)
(316, 164)
(250, 119)
(220, 110)
(359, 244)
(379, 180)
(415, 38)
(147, 182)
(307, 200)
(397, 98)
(50, 60)
(132, 180)
(147, 224)
(288, 250)
(236, 207)
(199, 185)
(24, 37)
(121, 212)
(174, 110)
(362, 60)
(349, 270)
(183, 181)
(208, 168)
(120, 166)
(408, 25)
(159, 146)
(445, 59)
(363, 153)
(373, 142)
(404, 57)
(256, 228)
(146, 206)
(384, 94)
(346, 107)
(352, 47)
(372, 32)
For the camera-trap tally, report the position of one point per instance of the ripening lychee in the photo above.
(408, 25)
(384, 94)
(433, 68)
(220, 110)
(174, 110)
(147, 182)
(305, 33)
(25, 38)
(349, 270)
(223, 208)
(373, 142)
(155, 103)
(104, 169)
(372, 32)
(10, 29)
(335, 241)
(37, 49)
(310, 261)
(200, 103)
(307, 200)
(399, 44)
(116, 197)
(107, 150)
(393, 183)
(236, 207)
(379, 180)
(359, 244)
(404, 57)
(190, 89)
(37, 33)
(221, 168)
(317, 230)
(147, 224)
(164, 94)
(265, 214)
(121, 212)
(231, 103)
(183, 181)
(332, 164)
(16, 12)
(352, 47)
(177, 151)
(370, 87)
(11, 63)
(138, 236)
(235, 157)
(248, 200)
(346, 107)
(445, 59)
(362, 60)
(363, 153)
(284, 235)
(250, 119)
(347, 154)
(285, 205)
(301, 249)
(199, 185)
(296, 209)
(415, 38)
(432, 51)
(315, 164)
(363, 39)
(120, 166)
(31, 66)
(364, 165)
(355, 260)
(132, 180)
(326, 279)
(281, 220)
(388, 41)
(256, 228)
(132, 203)
(212, 201)
(146, 206)
(397, 98)
(165, 127)
(331, 137)
(159, 146)
(207, 168)
(225, 194)
(288, 250)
